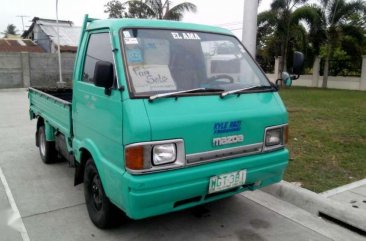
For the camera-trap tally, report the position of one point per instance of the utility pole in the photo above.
(61, 83)
(249, 36)
(22, 17)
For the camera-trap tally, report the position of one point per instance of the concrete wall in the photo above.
(334, 82)
(11, 73)
(19, 70)
(44, 68)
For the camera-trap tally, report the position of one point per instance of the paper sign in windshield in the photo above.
(131, 41)
(126, 34)
(148, 78)
(134, 56)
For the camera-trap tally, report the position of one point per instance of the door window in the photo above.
(99, 49)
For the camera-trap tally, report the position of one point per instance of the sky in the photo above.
(209, 12)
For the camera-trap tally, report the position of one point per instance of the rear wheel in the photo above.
(101, 211)
(46, 148)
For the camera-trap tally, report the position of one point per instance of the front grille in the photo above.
(224, 154)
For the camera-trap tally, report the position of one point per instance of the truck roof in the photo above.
(116, 24)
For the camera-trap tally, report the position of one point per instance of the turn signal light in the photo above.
(134, 157)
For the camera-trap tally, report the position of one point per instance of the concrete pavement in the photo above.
(51, 208)
(6, 233)
(319, 205)
(353, 194)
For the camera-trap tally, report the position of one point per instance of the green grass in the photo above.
(327, 138)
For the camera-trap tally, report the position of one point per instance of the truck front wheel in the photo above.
(46, 148)
(101, 211)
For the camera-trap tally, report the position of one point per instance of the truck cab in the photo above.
(159, 124)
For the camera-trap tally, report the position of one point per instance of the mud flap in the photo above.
(79, 174)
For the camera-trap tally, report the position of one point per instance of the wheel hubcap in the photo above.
(42, 144)
(96, 192)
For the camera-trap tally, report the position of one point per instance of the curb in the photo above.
(318, 204)
(344, 188)
(302, 217)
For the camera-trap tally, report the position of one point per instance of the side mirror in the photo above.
(104, 75)
(298, 63)
(286, 79)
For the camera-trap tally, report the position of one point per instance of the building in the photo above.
(19, 45)
(44, 33)
(13, 36)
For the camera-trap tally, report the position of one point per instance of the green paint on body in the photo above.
(103, 125)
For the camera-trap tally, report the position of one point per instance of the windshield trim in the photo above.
(128, 79)
(217, 93)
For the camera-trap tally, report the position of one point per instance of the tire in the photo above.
(46, 148)
(101, 211)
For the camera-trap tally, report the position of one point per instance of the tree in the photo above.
(138, 9)
(278, 23)
(149, 9)
(115, 9)
(331, 27)
(10, 30)
(359, 21)
(312, 15)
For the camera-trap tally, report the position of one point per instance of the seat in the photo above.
(187, 67)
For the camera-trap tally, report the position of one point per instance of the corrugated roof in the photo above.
(51, 22)
(69, 35)
(19, 45)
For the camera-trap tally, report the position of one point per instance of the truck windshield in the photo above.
(163, 61)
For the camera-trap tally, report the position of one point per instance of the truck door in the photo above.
(97, 114)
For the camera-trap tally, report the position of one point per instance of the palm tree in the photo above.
(278, 21)
(312, 15)
(155, 9)
(330, 24)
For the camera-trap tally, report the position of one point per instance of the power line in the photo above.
(22, 17)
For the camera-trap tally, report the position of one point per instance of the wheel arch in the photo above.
(87, 150)
(80, 167)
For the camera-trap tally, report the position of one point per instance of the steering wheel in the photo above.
(221, 76)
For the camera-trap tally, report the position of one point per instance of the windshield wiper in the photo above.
(230, 92)
(154, 97)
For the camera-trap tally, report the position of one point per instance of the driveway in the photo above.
(51, 208)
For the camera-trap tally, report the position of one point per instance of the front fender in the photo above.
(110, 175)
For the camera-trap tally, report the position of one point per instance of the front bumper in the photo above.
(154, 194)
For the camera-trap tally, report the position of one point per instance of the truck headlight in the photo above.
(146, 157)
(275, 137)
(164, 154)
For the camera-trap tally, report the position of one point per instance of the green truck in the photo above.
(162, 116)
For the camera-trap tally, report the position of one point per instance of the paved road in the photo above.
(51, 208)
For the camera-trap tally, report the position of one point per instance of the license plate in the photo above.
(227, 181)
